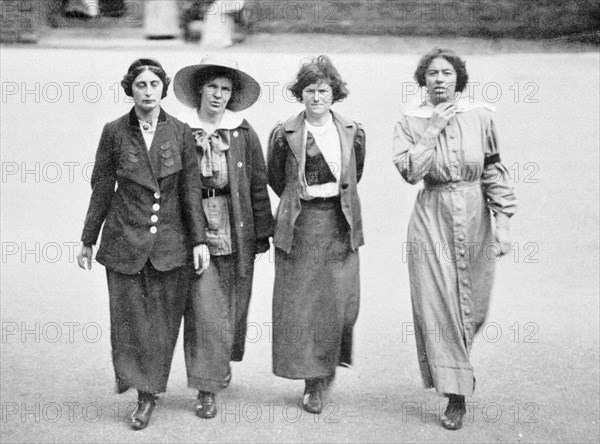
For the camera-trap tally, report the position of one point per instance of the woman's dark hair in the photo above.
(459, 65)
(206, 75)
(319, 69)
(138, 67)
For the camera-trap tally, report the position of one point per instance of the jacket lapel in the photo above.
(346, 130)
(135, 144)
(294, 133)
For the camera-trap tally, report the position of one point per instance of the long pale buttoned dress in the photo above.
(451, 251)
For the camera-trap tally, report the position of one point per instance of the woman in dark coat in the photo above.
(315, 160)
(145, 191)
(450, 144)
(236, 205)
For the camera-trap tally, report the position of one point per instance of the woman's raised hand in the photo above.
(442, 113)
(85, 256)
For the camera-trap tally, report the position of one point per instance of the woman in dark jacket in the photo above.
(239, 220)
(315, 160)
(145, 191)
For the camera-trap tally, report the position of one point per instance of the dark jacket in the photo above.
(286, 160)
(251, 216)
(149, 201)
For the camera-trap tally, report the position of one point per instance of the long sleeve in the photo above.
(191, 192)
(413, 158)
(360, 146)
(261, 205)
(277, 153)
(104, 178)
(496, 180)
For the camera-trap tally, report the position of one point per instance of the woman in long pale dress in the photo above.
(450, 144)
(315, 161)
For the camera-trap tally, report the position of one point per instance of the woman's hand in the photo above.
(442, 113)
(201, 258)
(85, 255)
(503, 240)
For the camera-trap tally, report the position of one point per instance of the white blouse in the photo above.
(328, 140)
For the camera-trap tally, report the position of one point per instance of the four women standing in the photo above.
(203, 191)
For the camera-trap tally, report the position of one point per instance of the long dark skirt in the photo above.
(316, 295)
(145, 315)
(215, 323)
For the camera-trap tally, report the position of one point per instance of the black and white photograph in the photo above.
(300, 221)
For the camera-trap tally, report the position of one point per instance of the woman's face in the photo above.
(216, 94)
(317, 98)
(440, 80)
(147, 91)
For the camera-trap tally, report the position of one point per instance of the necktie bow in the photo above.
(209, 145)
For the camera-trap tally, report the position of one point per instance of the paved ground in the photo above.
(536, 364)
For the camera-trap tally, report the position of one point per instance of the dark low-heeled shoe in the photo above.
(206, 407)
(141, 417)
(313, 396)
(452, 419)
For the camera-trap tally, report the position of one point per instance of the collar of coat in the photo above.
(229, 121)
(296, 122)
(133, 118)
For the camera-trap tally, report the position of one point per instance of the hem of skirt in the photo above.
(311, 376)
(122, 388)
(206, 385)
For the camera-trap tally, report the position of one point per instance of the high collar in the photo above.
(230, 120)
(133, 118)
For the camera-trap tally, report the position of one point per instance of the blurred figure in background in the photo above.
(450, 144)
(83, 9)
(315, 160)
(216, 23)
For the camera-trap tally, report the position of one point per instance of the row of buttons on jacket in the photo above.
(154, 217)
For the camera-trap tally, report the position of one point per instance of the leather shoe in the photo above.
(452, 419)
(313, 396)
(206, 407)
(141, 417)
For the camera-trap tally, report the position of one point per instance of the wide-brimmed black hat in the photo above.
(187, 90)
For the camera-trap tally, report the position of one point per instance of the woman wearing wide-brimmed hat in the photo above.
(145, 192)
(450, 143)
(237, 208)
(315, 160)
